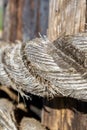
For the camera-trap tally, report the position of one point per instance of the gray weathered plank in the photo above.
(66, 16)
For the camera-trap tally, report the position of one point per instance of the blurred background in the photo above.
(23, 19)
(1, 17)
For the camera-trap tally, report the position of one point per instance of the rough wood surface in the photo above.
(20, 7)
(12, 28)
(6, 19)
(65, 114)
(42, 68)
(12, 20)
(66, 16)
(23, 19)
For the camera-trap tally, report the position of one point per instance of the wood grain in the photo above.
(66, 16)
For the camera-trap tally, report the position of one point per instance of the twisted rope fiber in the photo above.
(43, 68)
(19, 74)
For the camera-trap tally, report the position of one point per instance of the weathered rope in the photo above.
(46, 69)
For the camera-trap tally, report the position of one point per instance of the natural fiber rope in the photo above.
(46, 69)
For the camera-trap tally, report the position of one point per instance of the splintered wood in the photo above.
(66, 16)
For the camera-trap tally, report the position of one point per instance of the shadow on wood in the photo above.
(65, 114)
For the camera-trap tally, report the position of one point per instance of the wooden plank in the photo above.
(64, 114)
(12, 20)
(20, 7)
(66, 16)
(25, 19)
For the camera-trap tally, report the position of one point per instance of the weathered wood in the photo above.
(66, 16)
(13, 19)
(35, 18)
(23, 19)
(30, 124)
(6, 20)
(65, 114)
(20, 7)
(12, 28)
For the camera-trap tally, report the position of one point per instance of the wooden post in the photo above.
(12, 29)
(23, 19)
(68, 17)
(65, 114)
(19, 20)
